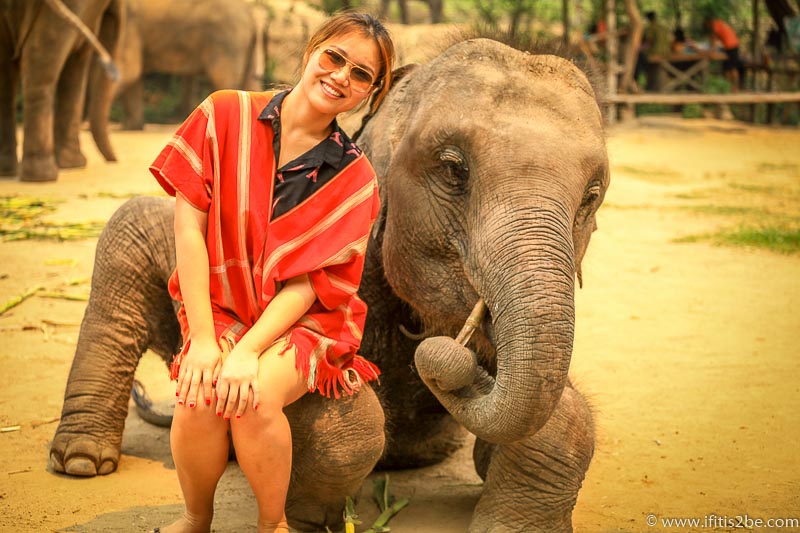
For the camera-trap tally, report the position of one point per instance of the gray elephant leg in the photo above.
(43, 58)
(9, 77)
(336, 444)
(69, 108)
(132, 98)
(129, 311)
(532, 485)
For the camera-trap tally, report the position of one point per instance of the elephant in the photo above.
(184, 37)
(491, 166)
(53, 58)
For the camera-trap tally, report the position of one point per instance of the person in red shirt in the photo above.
(274, 205)
(721, 33)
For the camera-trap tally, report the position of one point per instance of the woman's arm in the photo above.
(286, 308)
(239, 373)
(203, 358)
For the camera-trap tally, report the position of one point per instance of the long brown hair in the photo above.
(364, 23)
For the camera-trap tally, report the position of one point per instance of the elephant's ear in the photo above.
(397, 75)
(585, 222)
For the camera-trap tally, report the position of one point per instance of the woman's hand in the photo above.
(239, 375)
(200, 366)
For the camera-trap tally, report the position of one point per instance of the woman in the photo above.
(273, 208)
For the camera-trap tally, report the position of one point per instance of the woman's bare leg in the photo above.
(199, 441)
(263, 439)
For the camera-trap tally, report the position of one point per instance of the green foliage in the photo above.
(781, 239)
(716, 85)
(692, 111)
(21, 219)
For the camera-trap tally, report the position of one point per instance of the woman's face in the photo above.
(330, 91)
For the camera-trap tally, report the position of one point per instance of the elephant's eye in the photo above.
(455, 169)
(587, 207)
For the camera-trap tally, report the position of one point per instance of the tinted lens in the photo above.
(331, 60)
(360, 78)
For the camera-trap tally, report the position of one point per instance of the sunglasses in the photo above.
(360, 80)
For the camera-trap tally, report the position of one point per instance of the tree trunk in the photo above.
(632, 48)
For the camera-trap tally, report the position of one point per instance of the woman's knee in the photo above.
(201, 418)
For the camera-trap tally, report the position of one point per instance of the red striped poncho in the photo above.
(222, 161)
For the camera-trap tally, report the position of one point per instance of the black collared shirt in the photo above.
(300, 178)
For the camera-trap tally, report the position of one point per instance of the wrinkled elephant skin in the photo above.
(491, 164)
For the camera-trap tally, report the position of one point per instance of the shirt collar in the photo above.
(332, 149)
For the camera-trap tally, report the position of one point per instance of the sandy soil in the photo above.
(688, 352)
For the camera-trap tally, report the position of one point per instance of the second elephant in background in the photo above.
(223, 40)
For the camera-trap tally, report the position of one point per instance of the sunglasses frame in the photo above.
(330, 52)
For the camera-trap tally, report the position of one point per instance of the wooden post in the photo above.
(611, 51)
(754, 54)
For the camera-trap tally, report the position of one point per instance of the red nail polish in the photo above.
(219, 414)
(208, 402)
(177, 393)
(226, 417)
(238, 416)
(180, 402)
(191, 404)
(255, 407)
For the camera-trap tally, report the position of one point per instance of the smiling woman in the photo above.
(274, 206)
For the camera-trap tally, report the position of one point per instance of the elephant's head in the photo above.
(492, 164)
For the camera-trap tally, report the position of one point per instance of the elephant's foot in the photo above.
(133, 125)
(39, 168)
(9, 166)
(78, 454)
(532, 485)
(70, 158)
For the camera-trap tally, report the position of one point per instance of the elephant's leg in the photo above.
(335, 445)
(129, 311)
(132, 98)
(9, 78)
(69, 109)
(228, 72)
(43, 57)
(532, 485)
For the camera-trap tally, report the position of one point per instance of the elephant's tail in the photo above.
(105, 58)
(145, 409)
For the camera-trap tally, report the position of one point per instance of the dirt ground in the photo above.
(687, 351)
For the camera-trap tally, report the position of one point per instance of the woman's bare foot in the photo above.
(282, 527)
(188, 524)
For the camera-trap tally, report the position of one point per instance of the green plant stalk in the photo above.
(12, 303)
(64, 296)
(388, 513)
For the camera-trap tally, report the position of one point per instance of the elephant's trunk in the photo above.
(529, 293)
(101, 94)
(101, 85)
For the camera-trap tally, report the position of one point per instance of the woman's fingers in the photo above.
(207, 385)
(184, 385)
(256, 395)
(244, 394)
(222, 396)
(194, 385)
